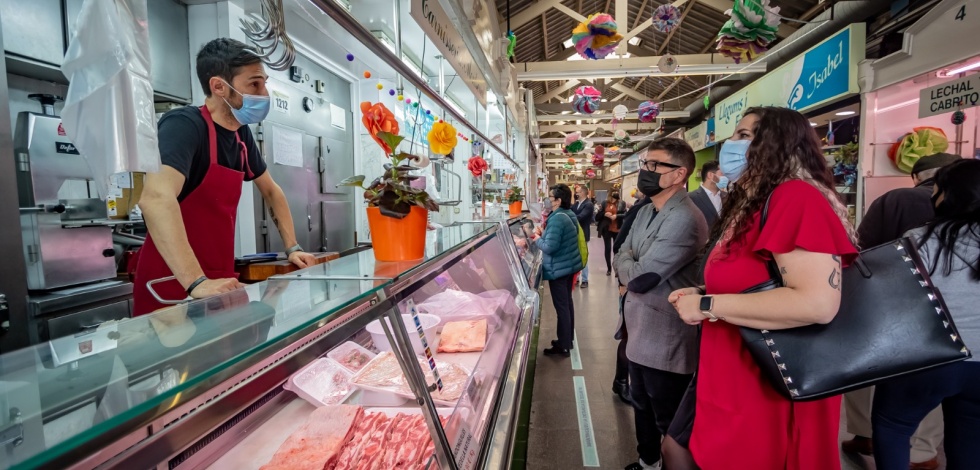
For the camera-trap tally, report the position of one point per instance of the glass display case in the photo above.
(416, 364)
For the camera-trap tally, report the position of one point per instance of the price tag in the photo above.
(425, 343)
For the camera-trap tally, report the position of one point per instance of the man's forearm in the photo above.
(279, 211)
(164, 222)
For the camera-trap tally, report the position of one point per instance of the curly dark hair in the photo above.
(785, 148)
(958, 215)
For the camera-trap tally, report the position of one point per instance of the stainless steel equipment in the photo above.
(62, 247)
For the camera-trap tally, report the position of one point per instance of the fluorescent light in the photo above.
(896, 106)
(568, 44)
(385, 39)
(813, 124)
(847, 113)
(634, 41)
(959, 70)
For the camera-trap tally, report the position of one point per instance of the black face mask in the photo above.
(648, 183)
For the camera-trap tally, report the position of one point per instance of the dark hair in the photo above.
(785, 147)
(679, 151)
(614, 195)
(958, 214)
(562, 192)
(223, 57)
(709, 167)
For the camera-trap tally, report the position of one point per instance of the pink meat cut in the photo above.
(317, 445)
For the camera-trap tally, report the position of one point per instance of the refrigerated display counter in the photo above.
(350, 364)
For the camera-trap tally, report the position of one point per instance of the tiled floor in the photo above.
(553, 441)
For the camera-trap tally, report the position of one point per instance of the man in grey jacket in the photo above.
(659, 256)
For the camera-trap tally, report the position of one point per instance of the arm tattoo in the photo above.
(835, 279)
(783, 271)
(836, 258)
(275, 219)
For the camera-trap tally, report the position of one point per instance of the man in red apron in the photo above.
(190, 206)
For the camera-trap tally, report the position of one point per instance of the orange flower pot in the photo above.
(398, 239)
(516, 208)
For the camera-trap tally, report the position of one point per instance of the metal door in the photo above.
(299, 184)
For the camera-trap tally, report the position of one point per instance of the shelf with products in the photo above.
(217, 383)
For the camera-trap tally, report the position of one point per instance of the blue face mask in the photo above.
(254, 108)
(723, 183)
(732, 158)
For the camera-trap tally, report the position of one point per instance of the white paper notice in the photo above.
(338, 117)
(287, 147)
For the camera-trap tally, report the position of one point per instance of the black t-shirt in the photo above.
(184, 145)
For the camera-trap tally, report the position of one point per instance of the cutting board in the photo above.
(258, 272)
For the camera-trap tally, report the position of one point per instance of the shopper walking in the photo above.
(607, 220)
(658, 256)
(709, 196)
(950, 246)
(740, 420)
(585, 211)
(560, 261)
(888, 218)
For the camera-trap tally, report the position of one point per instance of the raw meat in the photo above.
(355, 360)
(383, 371)
(354, 449)
(463, 336)
(317, 445)
(339, 387)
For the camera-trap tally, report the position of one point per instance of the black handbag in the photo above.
(892, 321)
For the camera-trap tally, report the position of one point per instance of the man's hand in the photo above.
(213, 287)
(302, 259)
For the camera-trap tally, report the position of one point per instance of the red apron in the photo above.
(209, 214)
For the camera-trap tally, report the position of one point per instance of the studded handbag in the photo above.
(892, 321)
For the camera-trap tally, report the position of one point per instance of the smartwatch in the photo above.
(293, 249)
(707, 303)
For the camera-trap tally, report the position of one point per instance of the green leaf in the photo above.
(391, 139)
(408, 156)
(357, 181)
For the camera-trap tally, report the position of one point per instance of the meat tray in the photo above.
(322, 382)
(343, 352)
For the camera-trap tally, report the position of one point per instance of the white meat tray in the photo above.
(315, 383)
(467, 361)
(340, 352)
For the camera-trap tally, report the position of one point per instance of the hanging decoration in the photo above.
(613, 152)
(752, 27)
(649, 111)
(666, 18)
(376, 119)
(586, 100)
(571, 161)
(442, 138)
(350, 57)
(707, 100)
(958, 118)
(620, 112)
(367, 74)
(596, 37)
(620, 134)
(477, 166)
(574, 143)
(599, 157)
(667, 64)
(511, 44)
(590, 173)
(920, 142)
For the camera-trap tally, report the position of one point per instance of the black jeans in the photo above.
(901, 403)
(622, 362)
(656, 395)
(561, 296)
(607, 242)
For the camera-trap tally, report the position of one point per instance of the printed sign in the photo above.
(430, 15)
(950, 96)
(287, 147)
(280, 101)
(66, 147)
(824, 73)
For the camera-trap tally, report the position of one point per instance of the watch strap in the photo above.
(293, 249)
(196, 283)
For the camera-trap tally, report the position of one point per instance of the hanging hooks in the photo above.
(268, 38)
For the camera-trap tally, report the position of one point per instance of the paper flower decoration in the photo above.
(586, 100)
(476, 149)
(633, 193)
(619, 112)
(613, 152)
(574, 143)
(596, 37)
(442, 138)
(600, 156)
(511, 44)
(649, 111)
(377, 118)
(590, 173)
(666, 17)
(477, 166)
(753, 25)
(920, 142)
(620, 134)
(958, 118)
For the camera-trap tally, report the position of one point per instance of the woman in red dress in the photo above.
(740, 420)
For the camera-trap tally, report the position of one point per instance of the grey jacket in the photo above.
(959, 290)
(703, 201)
(658, 257)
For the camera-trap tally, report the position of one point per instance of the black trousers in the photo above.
(607, 242)
(622, 362)
(656, 395)
(561, 296)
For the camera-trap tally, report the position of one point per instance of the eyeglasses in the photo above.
(652, 165)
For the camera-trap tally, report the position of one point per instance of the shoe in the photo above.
(931, 464)
(584, 285)
(858, 445)
(624, 395)
(554, 344)
(608, 273)
(619, 385)
(640, 465)
(556, 351)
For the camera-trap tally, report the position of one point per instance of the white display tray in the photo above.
(455, 359)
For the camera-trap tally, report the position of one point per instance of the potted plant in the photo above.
(397, 212)
(515, 198)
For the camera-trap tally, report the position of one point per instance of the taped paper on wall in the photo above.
(338, 117)
(287, 147)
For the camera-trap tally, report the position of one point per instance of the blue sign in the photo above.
(825, 74)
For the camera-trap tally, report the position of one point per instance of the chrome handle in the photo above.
(153, 292)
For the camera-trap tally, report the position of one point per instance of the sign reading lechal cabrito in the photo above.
(950, 96)
(440, 29)
(825, 73)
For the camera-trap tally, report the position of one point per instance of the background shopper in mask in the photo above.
(191, 204)
(709, 196)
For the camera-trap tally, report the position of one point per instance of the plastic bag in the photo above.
(453, 305)
(109, 113)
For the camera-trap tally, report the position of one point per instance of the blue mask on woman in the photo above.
(254, 108)
(732, 158)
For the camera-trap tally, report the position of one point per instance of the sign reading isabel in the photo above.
(430, 15)
(826, 72)
(950, 96)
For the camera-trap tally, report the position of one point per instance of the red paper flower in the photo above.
(377, 118)
(477, 166)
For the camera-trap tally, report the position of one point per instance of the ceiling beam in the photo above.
(544, 29)
(568, 11)
(622, 19)
(677, 81)
(645, 126)
(687, 9)
(643, 7)
(688, 64)
(530, 13)
(554, 93)
(629, 91)
(605, 117)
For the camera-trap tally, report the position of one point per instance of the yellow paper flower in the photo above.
(442, 138)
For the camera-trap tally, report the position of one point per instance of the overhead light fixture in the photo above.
(385, 39)
(567, 44)
(813, 124)
(634, 41)
(896, 106)
(846, 113)
(959, 70)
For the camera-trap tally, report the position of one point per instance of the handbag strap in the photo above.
(771, 264)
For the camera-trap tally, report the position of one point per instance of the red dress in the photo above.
(740, 420)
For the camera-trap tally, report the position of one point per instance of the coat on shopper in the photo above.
(603, 223)
(559, 245)
(895, 213)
